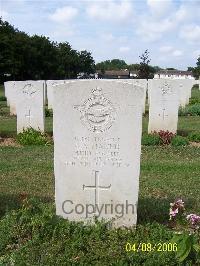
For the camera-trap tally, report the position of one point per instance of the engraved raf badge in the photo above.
(97, 112)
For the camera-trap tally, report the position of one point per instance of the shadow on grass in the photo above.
(13, 202)
(157, 210)
(183, 133)
(151, 210)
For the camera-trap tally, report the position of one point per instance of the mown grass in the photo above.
(166, 173)
(35, 236)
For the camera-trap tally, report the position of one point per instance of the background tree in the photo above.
(196, 70)
(145, 71)
(190, 68)
(36, 57)
(170, 68)
(134, 67)
(114, 64)
(86, 62)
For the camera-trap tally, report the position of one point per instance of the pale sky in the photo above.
(169, 29)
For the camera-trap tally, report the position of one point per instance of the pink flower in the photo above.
(173, 213)
(194, 220)
(177, 206)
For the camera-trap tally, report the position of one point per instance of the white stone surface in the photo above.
(6, 90)
(143, 83)
(30, 105)
(185, 91)
(11, 88)
(164, 104)
(97, 144)
(49, 85)
(10, 95)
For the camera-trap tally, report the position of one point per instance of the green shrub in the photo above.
(195, 95)
(3, 98)
(48, 113)
(194, 101)
(150, 139)
(193, 110)
(195, 136)
(179, 141)
(31, 136)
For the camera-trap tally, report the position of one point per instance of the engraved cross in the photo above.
(28, 116)
(163, 114)
(96, 187)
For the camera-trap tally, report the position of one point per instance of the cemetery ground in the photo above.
(31, 234)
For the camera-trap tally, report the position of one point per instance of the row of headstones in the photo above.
(27, 99)
(97, 127)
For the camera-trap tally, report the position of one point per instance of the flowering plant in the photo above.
(165, 137)
(188, 236)
(176, 208)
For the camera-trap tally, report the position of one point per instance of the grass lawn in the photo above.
(44, 239)
(31, 234)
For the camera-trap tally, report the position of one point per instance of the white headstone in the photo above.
(97, 144)
(6, 91)
(30, 105)
(164, 105)
(10, 95)
(143, 83)
(50, 84)
(185, 91)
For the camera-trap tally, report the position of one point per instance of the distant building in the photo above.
(113, 74)
(83, 75)
(117, 74)
(133, 74)
(173, 74)
(109, 74)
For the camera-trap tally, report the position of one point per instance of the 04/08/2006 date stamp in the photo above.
(149, 247)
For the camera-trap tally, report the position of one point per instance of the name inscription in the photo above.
(96, 151)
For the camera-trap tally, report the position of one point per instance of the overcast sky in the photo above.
(169, 29)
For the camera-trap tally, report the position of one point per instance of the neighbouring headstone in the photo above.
(11, 90)
(49, 85)
(10, 95)
(6, 89)
(185, 91)
(164, 104)
(143, 83)
(30, 105)
(97, 144)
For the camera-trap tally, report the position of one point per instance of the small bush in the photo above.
(179, 141)
(150, 139)
(165, 137)
(3, 98)
(181, 111)
(195, 136)
(194, 101)
(31, 136)
(48, 113)
(193, 110)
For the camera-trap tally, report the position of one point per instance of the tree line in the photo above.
(24, 57)
(143, 69)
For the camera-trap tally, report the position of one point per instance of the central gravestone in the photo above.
(97, 145)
